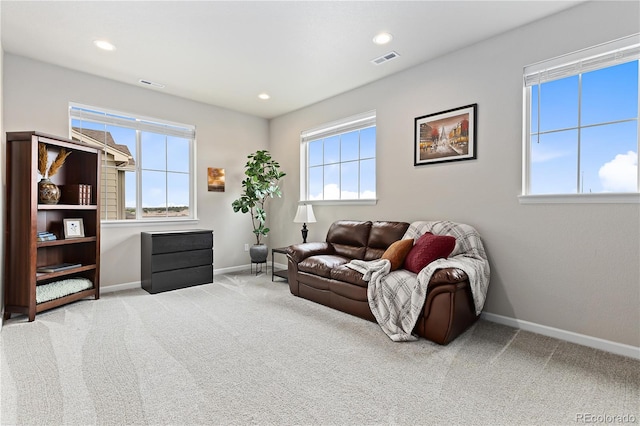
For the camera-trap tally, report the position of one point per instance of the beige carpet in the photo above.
(245, 351)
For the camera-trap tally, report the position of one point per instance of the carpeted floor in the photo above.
(243, 350)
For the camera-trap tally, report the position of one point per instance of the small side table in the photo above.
(282, 273)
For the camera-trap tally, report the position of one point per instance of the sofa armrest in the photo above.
(299, 252)
(447, 276)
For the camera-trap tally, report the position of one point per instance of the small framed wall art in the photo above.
(73, 228)
(446, 136)
(215, 179)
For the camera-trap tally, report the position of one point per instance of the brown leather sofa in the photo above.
(318, 272)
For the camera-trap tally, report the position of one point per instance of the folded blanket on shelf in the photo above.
(58, 289)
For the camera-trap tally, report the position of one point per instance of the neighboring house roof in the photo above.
(121, 153)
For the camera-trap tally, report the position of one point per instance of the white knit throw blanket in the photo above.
(397, 298)
(58, 289)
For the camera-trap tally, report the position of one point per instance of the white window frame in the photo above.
(149, 124)
(601, 56)
(345, 125)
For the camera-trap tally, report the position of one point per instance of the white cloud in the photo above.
(332, 192)
(352, 195)
(620, 174)
(348, 195)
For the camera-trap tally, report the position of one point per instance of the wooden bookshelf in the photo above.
(24, 217)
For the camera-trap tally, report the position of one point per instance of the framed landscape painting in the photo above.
(446, 136)
(215, 179)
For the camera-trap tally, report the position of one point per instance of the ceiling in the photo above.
(225, 53)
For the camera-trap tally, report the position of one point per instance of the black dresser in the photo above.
(176, 259)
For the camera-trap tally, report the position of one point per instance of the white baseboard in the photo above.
(569, 336)
(138, 284)
(266, 268)
(223, 271)
(120, 287)
(280, 265)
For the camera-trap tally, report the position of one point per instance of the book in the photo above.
(45, 236)
(76, 194)
(58, 267)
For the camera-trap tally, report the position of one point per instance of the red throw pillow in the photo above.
(397, 252)
(428, 248)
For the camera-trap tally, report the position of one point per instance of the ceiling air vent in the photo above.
(151, 83)
(385, 58)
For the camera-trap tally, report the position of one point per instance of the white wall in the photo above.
(36, 97)
(572, 267)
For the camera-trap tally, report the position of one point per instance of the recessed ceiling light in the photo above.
(382, 38)
(104, 45)
(264, 96)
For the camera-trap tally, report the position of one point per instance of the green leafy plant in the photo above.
(263, 175)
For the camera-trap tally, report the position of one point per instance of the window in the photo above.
(582, 122)
(338, 160)
(147, 164)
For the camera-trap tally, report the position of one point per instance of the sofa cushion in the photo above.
(428, 248)
(397, 252)
(322, 264)
(348, 275)
(349, 238)
(382, 235)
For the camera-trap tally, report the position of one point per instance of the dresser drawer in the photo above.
(169, 243)
(181, 278)
(178, 260)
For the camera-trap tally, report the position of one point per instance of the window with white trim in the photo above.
(581, 118)
(147, 164)
(338, 160)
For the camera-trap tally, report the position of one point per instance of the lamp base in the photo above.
(305, 231)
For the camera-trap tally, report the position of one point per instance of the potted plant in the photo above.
(261, 183)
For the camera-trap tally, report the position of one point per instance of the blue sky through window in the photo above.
(342, 167)
(588, 141)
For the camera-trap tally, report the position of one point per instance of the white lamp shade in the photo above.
(304, 214)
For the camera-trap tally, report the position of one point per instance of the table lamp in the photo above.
(304, 215)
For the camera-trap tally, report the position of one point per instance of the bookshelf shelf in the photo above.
(46, 276)
(64, 300)
(67, 207)
(66, 241)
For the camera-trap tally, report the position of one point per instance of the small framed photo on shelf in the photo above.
(73, 228)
